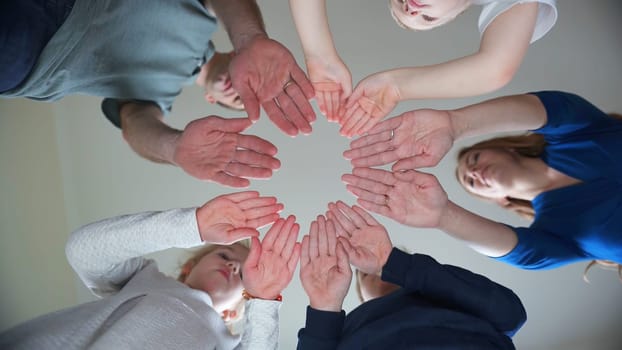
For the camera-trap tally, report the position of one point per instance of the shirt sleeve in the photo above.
(457, 288)
(261, 325)
(322, 330)
(110, 108)
(571, 115)
(107, 253)
(538, 250)
(547, 15)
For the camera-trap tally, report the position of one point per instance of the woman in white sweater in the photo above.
(141, 308)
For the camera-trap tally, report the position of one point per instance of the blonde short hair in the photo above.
(194, 259)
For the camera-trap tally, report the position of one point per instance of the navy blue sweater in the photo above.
(438, 307)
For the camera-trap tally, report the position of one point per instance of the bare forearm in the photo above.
(467, 76)
(241, 18)
(501, 52)
(312, 25)
(483, 235)
(147, 134)
(503, 114)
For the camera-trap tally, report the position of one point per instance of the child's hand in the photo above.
(373, 98)
(270, 264)
(232, 217)
(332, 82)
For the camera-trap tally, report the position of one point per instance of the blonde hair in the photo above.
(604, 264)
(194, 259)
(529, 145)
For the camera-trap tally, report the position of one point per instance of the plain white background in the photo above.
(96, 175)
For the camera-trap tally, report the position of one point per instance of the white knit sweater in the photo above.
(141, 308)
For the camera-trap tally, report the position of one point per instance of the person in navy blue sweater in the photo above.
(437, 307)
(566, 175)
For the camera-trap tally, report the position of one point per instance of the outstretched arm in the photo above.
(210, 148)
(369, 248)
(502, 49)
(107, 253)
(329, 75)
(145, 131)
(417, 199)
(421, 138)
(457, 288)
(503, 114)
(267, 271)
(263, 71)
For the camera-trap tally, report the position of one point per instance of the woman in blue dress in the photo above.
(566, 174)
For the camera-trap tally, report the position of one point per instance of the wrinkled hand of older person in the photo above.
(271, 263)
(413, 139)
(265, 73)
(325, 272)
(332, 82)
(372, 99)
(411, 198)
(365, 240)
(212, 148)
(232, 217)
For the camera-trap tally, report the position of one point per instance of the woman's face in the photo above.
(372, 286)
(218, 273)
(488, 173)
(426, 14)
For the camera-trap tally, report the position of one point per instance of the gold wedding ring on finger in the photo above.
(288, 83)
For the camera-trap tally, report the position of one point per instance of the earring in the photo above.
(185, 270)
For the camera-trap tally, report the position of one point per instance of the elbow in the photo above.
(512, 313)
(125, 121)
(72, 249)
(78, 250)
(520, 313)
(519, 317)
(126, 135)
(500, 77)
(496, 69)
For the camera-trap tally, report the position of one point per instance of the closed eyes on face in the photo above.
(227, 256)
(428, 18)
(471, 160)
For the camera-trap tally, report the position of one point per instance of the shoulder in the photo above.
(547, 14)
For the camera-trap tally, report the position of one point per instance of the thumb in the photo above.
(355, 96)
(342, 257)
(347, 247)
(234, 125)
(420, 161)
(423, 180)
(241, 233)
(405, 175)
(346, 86)
(254, 253)
(250, 101)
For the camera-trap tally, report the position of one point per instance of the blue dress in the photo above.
(582, 221)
